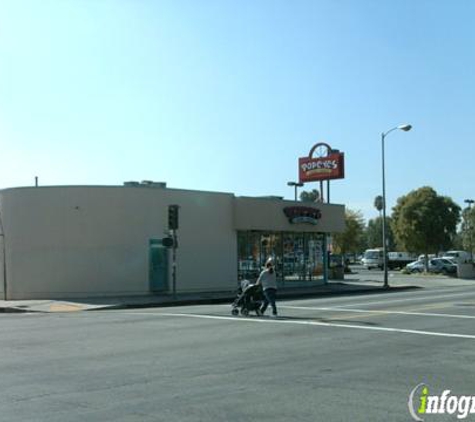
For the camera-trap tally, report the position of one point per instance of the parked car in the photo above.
(435, 265)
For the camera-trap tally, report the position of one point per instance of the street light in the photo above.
(295, 185)
(469, 203)
(405, 128)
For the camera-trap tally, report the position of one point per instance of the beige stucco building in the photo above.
(69, 242)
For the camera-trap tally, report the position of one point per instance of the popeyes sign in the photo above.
(328, 164)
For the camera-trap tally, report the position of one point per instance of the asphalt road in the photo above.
(347, 358)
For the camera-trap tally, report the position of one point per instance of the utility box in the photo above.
(466, 271)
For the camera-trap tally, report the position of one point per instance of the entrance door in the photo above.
(158, 266)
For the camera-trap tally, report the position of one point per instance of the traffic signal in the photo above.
(173, 217)
(168, 242)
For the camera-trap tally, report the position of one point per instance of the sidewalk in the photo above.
(125, 302)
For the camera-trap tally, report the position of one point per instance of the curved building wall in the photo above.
(86, 241)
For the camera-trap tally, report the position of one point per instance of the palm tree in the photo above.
(379, 204)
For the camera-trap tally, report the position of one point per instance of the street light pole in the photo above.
(405, 128)
(295, 185)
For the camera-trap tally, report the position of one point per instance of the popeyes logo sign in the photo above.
(328, 164)
(307, 215)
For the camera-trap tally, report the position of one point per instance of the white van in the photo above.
(373, 258)
(459, 257)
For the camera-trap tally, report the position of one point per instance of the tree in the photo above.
(374, 233)
(312, 196)
(467, 229)
(352, 239)
(457, 242)
(424, 222)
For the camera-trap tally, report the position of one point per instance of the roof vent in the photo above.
(152, 184)
(146, 183)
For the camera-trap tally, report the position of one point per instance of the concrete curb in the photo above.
(59, 306)
(13, 310)
(281, 295)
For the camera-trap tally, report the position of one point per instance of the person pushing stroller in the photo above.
(268, 282)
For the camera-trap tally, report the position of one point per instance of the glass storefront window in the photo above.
(298, 257)
(248, 256)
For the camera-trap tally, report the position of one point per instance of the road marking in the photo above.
(366, 311)
(411, 299)
(415, 294)
(313, 323)
(387, 297)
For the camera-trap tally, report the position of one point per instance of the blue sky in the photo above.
(225, 95)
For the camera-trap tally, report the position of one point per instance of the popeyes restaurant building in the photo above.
(145, 238)
(83, 241)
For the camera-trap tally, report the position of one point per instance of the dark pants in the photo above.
(269, 297)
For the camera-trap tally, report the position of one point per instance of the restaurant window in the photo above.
(298, 257)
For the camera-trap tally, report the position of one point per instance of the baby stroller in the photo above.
(249, 298)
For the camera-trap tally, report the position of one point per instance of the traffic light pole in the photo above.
(173, 226)
(174, 263)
